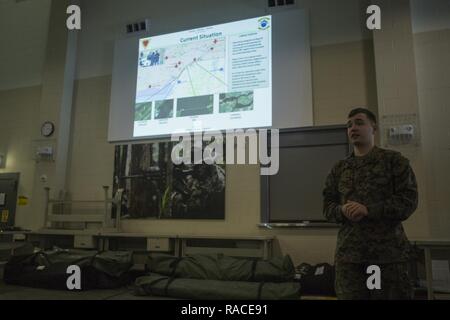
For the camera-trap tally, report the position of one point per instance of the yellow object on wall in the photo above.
(5, 215)
(23, 201)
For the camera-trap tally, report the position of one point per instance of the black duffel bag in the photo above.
(48, 269)
(317, 279)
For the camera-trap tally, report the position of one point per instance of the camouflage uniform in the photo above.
(384, 182)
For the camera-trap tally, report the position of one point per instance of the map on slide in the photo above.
(183, 70)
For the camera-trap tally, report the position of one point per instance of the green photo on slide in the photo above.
(236, 101)
(143, 111)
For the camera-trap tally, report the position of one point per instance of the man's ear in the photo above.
(375, 127)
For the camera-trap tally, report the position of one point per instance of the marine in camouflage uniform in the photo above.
(384, 183)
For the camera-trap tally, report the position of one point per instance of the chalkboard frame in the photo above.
(304, 137)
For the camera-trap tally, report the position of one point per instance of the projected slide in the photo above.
(211, 78)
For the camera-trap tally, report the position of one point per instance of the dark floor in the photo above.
(8, 292)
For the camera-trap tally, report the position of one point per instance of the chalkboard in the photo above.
(293, 197)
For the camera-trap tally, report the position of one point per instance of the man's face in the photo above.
(360, 129)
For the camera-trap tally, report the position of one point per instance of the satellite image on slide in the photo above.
(164, 109)
(143, 111)
(236, 101)
(184, 70)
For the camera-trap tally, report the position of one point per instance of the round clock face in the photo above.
(47, 129)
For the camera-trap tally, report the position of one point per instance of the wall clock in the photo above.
(47, 129)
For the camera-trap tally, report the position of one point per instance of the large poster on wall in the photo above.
(156, 188)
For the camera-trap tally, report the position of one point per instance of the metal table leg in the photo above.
(429, 273)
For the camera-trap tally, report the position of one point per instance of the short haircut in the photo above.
(367, 112)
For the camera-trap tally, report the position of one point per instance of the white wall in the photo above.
(429, 15)
(431, 25)
(18, 109)
(23, 34)
(334, 22)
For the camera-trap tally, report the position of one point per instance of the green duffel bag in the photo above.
(160, 285)
(220, 267)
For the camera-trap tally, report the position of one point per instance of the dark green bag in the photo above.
(159, 285)
(220, 267)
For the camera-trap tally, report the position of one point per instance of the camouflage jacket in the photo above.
(384, 182)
